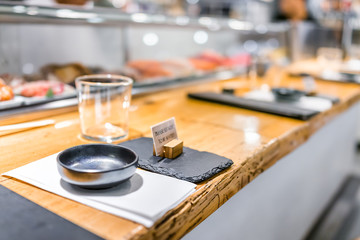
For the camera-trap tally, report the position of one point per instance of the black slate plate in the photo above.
(278, 108)
(192, 165)
(23, 219)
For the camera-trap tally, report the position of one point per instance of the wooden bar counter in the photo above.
(204, 126)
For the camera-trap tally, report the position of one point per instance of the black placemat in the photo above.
(23, 219)
(277, 108)
(342, 77)
(192, 165)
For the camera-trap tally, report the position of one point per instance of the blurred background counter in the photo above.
(45, 45)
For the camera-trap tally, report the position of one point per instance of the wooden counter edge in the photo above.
(208, 198)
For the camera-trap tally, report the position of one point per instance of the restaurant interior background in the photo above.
(99, 37)
(63, 39)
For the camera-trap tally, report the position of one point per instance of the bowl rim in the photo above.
(294, 92)
(89, 171)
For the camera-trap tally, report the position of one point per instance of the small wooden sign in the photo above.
(163, 133)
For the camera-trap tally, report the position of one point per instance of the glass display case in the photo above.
(44, 48)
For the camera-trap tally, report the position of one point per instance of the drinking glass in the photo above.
(104, 102)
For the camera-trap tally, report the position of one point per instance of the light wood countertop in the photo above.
(253, 140)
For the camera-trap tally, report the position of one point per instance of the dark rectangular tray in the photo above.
(277, 108)
(23, 219)
(192, 165)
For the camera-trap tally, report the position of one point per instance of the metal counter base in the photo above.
(287, 199)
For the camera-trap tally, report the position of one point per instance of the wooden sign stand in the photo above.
(172, 149)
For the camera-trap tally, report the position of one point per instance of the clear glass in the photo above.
(104, 102)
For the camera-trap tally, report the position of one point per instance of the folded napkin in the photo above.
(144, 198)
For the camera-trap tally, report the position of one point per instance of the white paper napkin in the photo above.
(312, 103)
(144, 198)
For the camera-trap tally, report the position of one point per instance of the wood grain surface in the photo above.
(253, 140)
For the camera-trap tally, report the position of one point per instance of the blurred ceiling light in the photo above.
(262, 29)
(250, 46)
(67, 13)
(201, 37)
(206, 21)
(238, 25)
(150, 39)
(193, 2)
(118, 3)
(96, 20)
(19, 9)
(210, 23)
(139, 17)
(28, 68)
(32, 11)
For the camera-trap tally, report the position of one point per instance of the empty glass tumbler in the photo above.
(104, 102)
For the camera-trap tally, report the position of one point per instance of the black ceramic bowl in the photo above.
(287, 94)
(97, 166)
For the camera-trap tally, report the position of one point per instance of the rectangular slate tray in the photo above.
(277, 108)
(192, 165)
(23, 219)
(342, 78)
